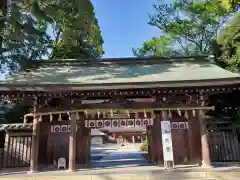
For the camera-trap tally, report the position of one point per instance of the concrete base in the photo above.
(204, 166)
(71, 170)
(32, 171)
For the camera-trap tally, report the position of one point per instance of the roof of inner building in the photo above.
(122, 71)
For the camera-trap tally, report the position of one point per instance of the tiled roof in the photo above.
(121, 71)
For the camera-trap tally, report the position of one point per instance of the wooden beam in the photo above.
(109, 105)
(134, 109)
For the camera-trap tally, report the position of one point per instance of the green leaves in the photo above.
(154, 47)
(191, 25)
(26, 32)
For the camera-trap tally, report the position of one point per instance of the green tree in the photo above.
(3, 14)
(24, 36)
(228, 4)
(24, 32)
(192, 25)
(155, 47)
(76, 29)
(16, 113)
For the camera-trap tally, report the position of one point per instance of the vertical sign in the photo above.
(167, 143)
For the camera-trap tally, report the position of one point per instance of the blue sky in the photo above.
(124, 25)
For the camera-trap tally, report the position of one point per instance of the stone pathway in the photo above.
(127, 155)
(99, 151)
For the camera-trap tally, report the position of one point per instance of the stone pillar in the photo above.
(72, 142)
(35, 146)
(206, 158)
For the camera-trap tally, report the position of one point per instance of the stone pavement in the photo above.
(127, 155)
(125, 174)
(99, 151)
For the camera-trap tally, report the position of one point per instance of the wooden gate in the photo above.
(180, 146)
(224, 146)
(17, 151)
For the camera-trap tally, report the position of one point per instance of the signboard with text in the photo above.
(167, 141)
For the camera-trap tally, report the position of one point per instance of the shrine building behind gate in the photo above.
(61, 119)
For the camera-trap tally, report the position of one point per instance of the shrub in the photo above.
(144, 146)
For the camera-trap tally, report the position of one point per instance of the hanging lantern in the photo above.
(169, 113)
(194, 112)
(86, 113)
(60, 117)
(186, 114)
(179, 112)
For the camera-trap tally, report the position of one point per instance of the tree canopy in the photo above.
(33, 30)
(155, 47)
(191, 25)
(227, 44)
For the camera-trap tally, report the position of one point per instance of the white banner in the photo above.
(167, 141)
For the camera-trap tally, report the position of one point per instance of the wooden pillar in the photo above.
(35, 141)
(190, 137)
(206, 158)
(72, 142)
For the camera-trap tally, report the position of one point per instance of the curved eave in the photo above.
(117, 86)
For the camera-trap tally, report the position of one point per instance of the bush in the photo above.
(144, 146)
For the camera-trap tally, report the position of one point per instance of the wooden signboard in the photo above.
(167, 144)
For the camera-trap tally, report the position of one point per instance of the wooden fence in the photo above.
(17, 151)
(224, 146)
